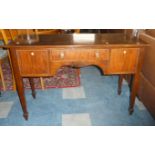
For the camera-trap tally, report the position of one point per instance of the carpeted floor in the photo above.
(95, 103)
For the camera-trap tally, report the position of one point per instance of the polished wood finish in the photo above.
(123, 60)
(33, 62)
(19, 82)
(112, 53)
(135, 81)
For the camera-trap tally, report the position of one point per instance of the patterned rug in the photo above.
(65, 77)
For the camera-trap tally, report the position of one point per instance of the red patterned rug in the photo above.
(65, 77)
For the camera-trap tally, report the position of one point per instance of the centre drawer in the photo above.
(79, 54)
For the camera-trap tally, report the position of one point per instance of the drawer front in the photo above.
(123, 60)
(33, 62)
(79, 55)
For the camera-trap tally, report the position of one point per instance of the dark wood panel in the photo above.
(33, 62)
(78, 40)
(123, 60)
(79, 54)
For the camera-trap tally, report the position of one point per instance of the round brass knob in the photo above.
(97, 54)
(32, 53)
(124, 52)
(62, 55)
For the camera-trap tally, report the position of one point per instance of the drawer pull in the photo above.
(62, 55)
(124, 52)
(32, 53)
(97, 54)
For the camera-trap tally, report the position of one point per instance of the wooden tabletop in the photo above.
(109, 39)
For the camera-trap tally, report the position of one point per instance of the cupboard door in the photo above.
(33, 62)
(123, 60)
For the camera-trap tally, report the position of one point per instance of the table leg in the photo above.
(32, 87)
(120, 80)
(20, 91)
(134, 89)
(19, 82)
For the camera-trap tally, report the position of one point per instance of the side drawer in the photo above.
(33, 62)
(123, 60)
